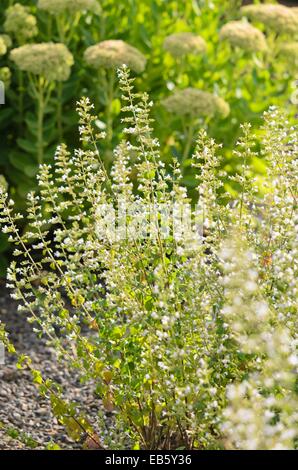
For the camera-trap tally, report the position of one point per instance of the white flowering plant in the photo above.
(182, 318)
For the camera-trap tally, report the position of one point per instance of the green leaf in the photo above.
(27, 145)
(24, 162)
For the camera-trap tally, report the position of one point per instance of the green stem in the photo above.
(179, 70)
(49, 27)
(72, 28)
(40, 92)
(102, 29)
(61, 28)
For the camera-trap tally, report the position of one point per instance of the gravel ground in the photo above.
(21, 407)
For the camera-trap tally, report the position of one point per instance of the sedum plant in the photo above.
(67, 14)
(20, 23)
(55, 7)
(249, 81)
(288, 53)
(181, 44)
(275, 17)
(243, 35)
(183, 319)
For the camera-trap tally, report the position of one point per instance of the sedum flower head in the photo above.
(5, 76)
(5, 43)
(20, 23)
(180, 44)
(56, 7)
(52, 61)
(196, 102)
(276, 17)
(3, 48)
(244, 35)
(288, 52)
(113, 54)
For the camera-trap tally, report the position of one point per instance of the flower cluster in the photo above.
(20, 23)
(56, 7)
(5, 43)
(243, 35)
(197, 103)
(3, 183)
(115, 53)
(52, 61)
(181, 44)
(278, 18)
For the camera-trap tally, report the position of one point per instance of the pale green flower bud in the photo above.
(56, 7)
(279, 18)
(52, 61)
(181, 44)
(113, 54)
(5, 76)
(20, 23)
(196, 102)
(243, 35)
